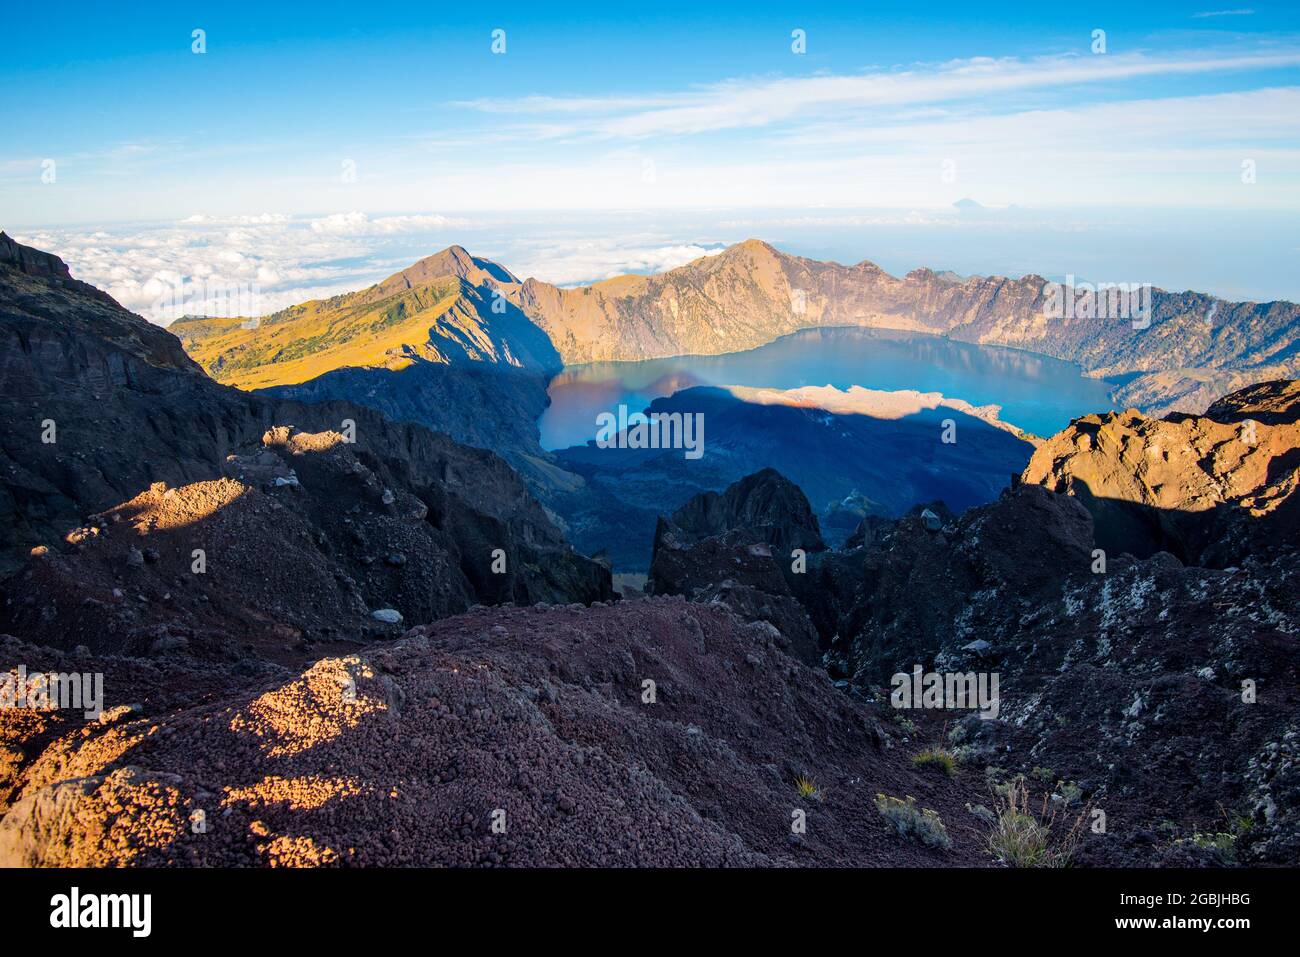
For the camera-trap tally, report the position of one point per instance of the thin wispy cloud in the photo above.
(1222, 13)
(1210, 121)
(757, 102)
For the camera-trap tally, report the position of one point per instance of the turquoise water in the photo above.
(1037, 393)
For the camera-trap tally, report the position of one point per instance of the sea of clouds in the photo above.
(291, 259)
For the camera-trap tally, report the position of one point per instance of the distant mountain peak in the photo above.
(453, 261)
(750, 248)
(442, 309)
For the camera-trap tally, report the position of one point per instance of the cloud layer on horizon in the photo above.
(202, 265)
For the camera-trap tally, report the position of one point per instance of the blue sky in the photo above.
(323, 122)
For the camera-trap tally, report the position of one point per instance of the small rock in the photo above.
(118, 713)
(134, 558)
(169, 643)
(390, 615)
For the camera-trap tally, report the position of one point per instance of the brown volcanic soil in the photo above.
(301, 540)
(536, 711)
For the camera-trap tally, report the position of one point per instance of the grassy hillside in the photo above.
(312, 338)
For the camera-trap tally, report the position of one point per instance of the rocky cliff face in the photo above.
(1210, 489)
(739, 548)
(767, 505)
(102, 406)
(1194, 348)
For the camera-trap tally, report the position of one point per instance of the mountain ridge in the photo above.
(1192, 348)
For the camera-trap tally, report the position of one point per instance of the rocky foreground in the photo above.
(536, 720)
(389, 656)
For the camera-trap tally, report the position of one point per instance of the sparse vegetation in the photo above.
(1023, 838)
(994, 774)
(1004, 787)
(938, 759)
(1070, 792)
(906, 724)
(913, 823)
(1221, 841)
(1225, 842)
(806, 787)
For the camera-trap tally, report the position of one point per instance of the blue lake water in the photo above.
(1037, 393)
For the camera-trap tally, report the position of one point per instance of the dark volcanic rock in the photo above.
(102, 406)
(766, 505)
(1129, 686)
(740, 548)
(735, 555)
(923, 590)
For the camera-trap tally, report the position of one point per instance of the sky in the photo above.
(309, 151)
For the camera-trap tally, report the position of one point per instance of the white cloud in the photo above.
(760, 102)
(586, 261)
(256, 219)
(360, 224)
(265, 261)
(1253, 116)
